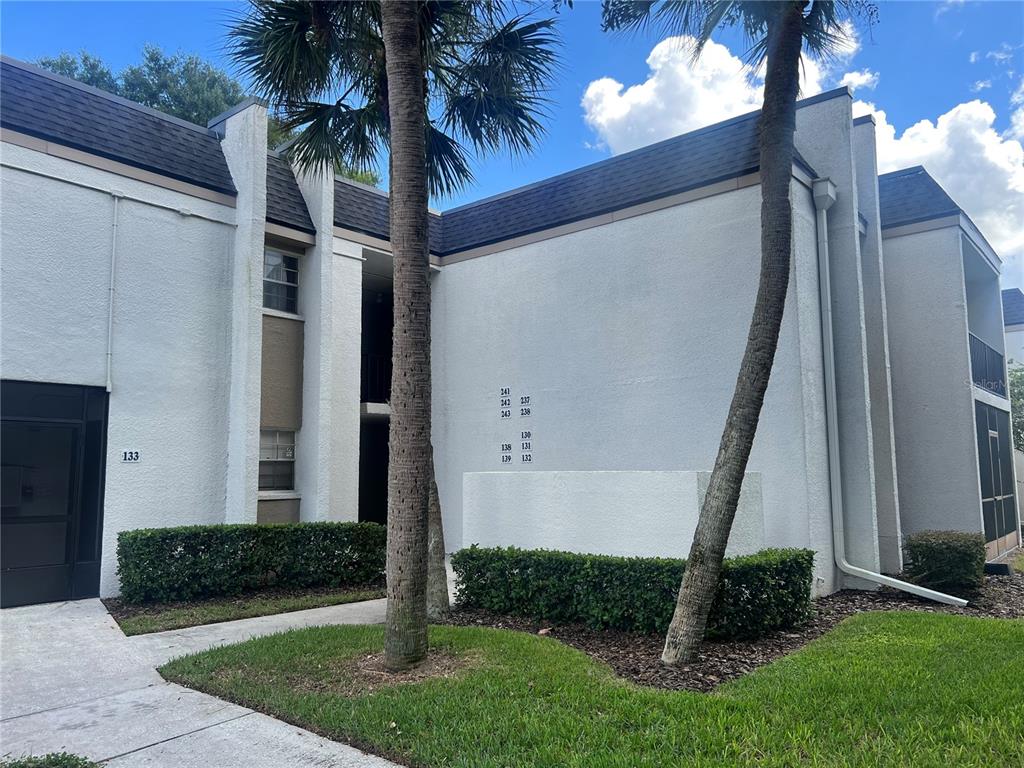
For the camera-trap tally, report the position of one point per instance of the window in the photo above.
(277, 460)
(280, 281)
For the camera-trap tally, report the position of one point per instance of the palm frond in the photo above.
(447, 165)
(335, 133)
(496, 95)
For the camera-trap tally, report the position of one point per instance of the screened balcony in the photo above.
(988, 369)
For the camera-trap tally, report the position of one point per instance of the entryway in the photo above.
(51, 491)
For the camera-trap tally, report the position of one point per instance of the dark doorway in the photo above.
(373, 471)
(998, 504)
(51, 491)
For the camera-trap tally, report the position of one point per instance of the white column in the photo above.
(890, 540)
(313, 451)
(346, 345)
(824, 138)
(244, 131)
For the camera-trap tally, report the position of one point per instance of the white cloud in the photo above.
(849, 42)
(981, 170)
(981, 85)
(1016, 129)
(1003, 55)
(947, 5)
(864, 78)
(973, 58)
(679, 95)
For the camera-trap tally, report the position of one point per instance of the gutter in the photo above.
(824, 196)
(116, 197)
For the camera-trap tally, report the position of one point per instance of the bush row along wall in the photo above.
(163, 564)
(757, 593)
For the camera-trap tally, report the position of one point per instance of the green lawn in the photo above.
(884, 689)
(52, 760)
(159, 617)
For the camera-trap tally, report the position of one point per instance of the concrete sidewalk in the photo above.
(71, 681)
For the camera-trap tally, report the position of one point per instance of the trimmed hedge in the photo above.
(946, 559)
(756, 594)
(164, 564)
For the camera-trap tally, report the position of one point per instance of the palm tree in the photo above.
(778, 32)
(430, 80)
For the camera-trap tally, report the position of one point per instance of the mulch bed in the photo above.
(637, 657)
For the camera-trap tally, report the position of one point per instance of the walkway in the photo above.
(71, 681)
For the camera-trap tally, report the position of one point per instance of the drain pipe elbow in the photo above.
(824, 193)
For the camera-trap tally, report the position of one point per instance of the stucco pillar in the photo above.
(313, 465)
(346, 274)
(890, 540)
(244, 132)
(824, 138)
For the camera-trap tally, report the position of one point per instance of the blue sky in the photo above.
(927, 62)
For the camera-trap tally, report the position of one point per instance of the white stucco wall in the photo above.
(244, 146)
(171, 337)
(933, 398)
(346, 330)
(1014, 340)
(824, 139)
(627, 339)
(622, 513)
(890, 539)
(313, 448)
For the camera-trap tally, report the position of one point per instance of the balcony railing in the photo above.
(375, 378)
(987, 368)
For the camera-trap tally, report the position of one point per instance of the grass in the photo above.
(159, 617)
(883, 689)
(52, 760)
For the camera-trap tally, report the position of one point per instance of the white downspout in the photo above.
(824, 195)
(116, 196)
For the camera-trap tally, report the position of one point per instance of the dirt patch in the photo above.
(366, 674)
(637, 657)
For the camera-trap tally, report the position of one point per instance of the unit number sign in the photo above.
(515, 447)
(130, 457)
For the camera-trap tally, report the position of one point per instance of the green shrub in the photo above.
(163, 564)
(946, 559)
(52, 760)
(756, 594)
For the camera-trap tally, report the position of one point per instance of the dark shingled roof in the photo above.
(910, 196)
(1013, 306)
(63, 111)
(365, 209)
(285, 204)
(719, 152)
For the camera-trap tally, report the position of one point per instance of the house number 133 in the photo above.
(130, 457)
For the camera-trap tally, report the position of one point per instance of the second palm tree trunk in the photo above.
(776, 126)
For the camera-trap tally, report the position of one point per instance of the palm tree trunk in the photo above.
(409, 463)
(777, 125)
(437, 575)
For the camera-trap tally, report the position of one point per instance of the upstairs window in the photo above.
(277, 460)
(281, 281)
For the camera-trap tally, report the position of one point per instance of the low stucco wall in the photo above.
(646, 514)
